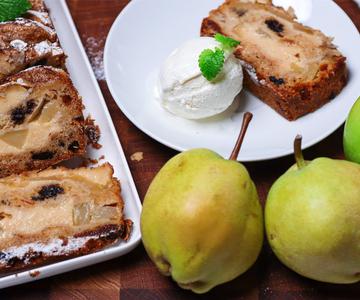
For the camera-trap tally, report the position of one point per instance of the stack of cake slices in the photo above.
(47, 212)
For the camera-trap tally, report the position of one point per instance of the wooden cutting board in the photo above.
(134, 276)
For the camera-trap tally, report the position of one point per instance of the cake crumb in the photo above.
(88, 161)
(34, 273)
(92, 132)
(137, 156)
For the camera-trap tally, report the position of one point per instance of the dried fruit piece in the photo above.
(19, 113)
(274, 25)
(48, 191)
(74, 146)
(43, 155)
(277, 81)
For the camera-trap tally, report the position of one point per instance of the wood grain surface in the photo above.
(133, 276)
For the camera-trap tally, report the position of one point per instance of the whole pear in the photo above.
(312, 219)
(352, 134)
(202, 222)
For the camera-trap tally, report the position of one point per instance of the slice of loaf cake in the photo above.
(25, 43)
(41, 120)
(293, 68)
(38, 5)
(39, 13)
(59, 213)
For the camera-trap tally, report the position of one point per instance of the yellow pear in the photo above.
(202, 222)
(312, 218)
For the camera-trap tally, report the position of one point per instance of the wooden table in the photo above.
(134, 276)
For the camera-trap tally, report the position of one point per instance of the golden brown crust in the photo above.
(303, 98)
(101, 237)
(292, 93)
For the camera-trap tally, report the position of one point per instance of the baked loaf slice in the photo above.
(39, 13)
(59, 213)
(25, 43)
(293, 68)
(38, 5)
(41, 120)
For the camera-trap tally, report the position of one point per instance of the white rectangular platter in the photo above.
(84, 80)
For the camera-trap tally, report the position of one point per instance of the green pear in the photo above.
(312, 219)
(352, 134)
(202, 222)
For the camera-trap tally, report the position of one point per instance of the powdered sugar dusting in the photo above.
(95, 50)
(46, 47)
(55, 247)
(19, 45)
(42, 16)
(251, 71)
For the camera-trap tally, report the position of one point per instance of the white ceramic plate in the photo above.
(147, 31)
(83, 78)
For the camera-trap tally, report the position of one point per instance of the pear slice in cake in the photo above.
(59, 213)
(41, 120)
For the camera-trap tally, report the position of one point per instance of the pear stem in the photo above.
(298, 153)
(245, 124)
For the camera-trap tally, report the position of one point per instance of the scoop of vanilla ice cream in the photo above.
(185, 92)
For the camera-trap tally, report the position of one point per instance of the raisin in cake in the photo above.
(293, 68)
(41, 120)
(59, 213)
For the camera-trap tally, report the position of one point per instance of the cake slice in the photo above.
(41, 120)
(39, 13)
(38, 5)
(59, 213)
(25, 43)
(293, 68)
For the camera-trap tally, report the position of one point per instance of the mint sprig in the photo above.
(211, 62)
(11, 9)
(226, 42)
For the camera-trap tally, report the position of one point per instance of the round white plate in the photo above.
(147, 31)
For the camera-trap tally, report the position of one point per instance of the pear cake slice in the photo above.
(41, 120)
(24, 43)
(59, 213)
(291, 67)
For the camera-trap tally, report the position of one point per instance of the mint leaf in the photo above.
(11, 9)
(211, 62)
(226, 42)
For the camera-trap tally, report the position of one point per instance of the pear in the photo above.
(312, 218)
(202, 222)
(352, 134)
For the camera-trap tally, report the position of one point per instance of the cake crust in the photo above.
(308, 74)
